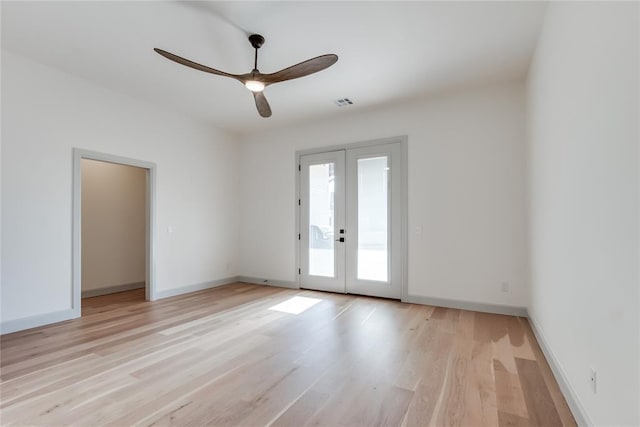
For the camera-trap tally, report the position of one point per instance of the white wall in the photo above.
(466, 189)
(114, 227)
(48, 112)
(583, 120)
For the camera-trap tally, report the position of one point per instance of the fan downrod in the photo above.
(256, 40)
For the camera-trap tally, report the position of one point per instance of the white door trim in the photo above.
(404, 222)
(78, 155)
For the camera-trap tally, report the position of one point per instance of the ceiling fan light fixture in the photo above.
(254, 85)
(256, 81)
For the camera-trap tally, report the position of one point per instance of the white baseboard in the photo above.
(268, 282)
(40, 320)
(576, 407)
(414, 299)
(196, 287)
(510, 310)
(112, 289)
(10, 326)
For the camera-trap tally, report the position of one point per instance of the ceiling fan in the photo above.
(255, 81)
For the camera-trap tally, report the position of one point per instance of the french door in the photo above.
(350, 211)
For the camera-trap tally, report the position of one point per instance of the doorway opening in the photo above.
(351, 218)
(113, 224)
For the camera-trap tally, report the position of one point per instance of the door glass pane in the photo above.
(372, 219)
(321, 219)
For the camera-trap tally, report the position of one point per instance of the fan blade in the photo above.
(194, 65)
(302, 69)
(261, 103)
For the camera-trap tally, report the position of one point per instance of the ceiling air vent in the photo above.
(343, 102)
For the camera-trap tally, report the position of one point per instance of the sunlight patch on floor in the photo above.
(295, 305)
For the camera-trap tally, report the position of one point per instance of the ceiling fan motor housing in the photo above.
(256, 40)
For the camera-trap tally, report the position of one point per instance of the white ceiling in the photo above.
(389, 51)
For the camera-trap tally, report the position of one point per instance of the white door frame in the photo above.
(403, 140)
(150, 276)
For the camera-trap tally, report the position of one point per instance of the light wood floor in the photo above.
(222, 357)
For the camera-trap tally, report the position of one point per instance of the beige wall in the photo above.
(195, 195)
(466, 195)
(113, 224)
(584, 208)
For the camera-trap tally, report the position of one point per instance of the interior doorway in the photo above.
(113, 223)
(352, 224)
(113, 228)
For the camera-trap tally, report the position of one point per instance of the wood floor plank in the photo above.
(509, 394)
(424, 406)
(510, 420)
(224, 357)
(540, 406)
(558, 399)
(301, 410)
(485, 386)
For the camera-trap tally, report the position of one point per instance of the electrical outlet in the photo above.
(594, 381)
(504, 287)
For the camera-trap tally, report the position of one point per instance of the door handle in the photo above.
(341, 239)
